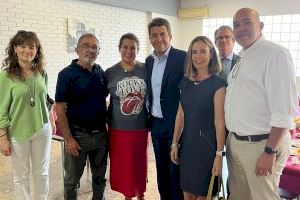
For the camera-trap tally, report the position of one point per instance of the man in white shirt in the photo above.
(260, 104)
(224, 41)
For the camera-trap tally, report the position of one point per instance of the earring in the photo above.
(36, 56)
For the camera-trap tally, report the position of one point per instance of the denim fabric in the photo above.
(95, 147)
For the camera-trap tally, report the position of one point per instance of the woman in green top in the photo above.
(25, 131)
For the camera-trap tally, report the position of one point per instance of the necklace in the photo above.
(31, 91)
(197, 82)
(128, 71)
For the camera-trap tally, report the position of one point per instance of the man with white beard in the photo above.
(81, 111)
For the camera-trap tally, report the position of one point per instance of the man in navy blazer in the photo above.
(165, 69)
(224, 41)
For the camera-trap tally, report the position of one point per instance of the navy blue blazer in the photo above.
(170, 94)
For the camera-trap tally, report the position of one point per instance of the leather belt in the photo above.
(85, 130)
(251, 138)
(158, 118)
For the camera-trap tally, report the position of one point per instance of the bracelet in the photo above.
(174, 145)
(221, 153)
(3, 134)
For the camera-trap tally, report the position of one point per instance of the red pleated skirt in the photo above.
(128, 153)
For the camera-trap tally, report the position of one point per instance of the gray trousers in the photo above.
(95, 147)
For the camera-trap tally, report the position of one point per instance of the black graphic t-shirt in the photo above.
(127, 110)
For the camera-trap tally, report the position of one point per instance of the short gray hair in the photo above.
(223, 28)
(87, 35)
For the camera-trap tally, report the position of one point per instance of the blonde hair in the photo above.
(214, 64)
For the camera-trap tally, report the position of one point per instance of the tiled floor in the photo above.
(56, 185)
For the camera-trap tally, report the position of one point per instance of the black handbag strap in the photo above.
(221, 184)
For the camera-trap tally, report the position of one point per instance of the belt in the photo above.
(157, 118)
(85, 130)
(251, 138)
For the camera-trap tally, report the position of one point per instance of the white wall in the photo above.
(227, 8)
(221, 8)
(167, 7)
(175, 28)
(189, 30)
(183, 31)
(48, 18)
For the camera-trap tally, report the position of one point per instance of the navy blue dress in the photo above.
(198, 140)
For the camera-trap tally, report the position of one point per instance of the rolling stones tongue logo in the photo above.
(131, 91)
(132, 103)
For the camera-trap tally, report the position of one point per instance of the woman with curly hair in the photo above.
(25, 131)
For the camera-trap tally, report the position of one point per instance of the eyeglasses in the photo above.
(236, 68)
(88, 47)
(226, 37)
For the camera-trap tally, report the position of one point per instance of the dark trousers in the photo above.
(95, 147)
(167, 172)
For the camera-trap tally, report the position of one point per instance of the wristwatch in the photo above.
(270, 151)
(221, 153)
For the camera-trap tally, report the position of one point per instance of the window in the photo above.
(281, 29)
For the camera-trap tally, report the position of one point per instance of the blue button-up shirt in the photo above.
(158, 70)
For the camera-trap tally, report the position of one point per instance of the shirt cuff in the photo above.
(282, 121)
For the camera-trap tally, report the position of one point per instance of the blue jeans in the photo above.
(95, 147)
(167, 172)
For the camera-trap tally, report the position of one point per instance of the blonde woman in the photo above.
(199, 121)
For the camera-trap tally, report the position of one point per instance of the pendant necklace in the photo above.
(197, 82)
(31, 92)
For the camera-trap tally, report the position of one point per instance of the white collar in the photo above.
(166, 54)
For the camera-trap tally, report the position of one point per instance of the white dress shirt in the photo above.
(261, 90)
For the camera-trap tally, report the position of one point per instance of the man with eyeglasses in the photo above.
(260, 104)
(81, 111)
(224, 41)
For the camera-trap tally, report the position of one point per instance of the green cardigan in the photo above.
(16, 114)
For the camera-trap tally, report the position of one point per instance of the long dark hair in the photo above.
(11, 65)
